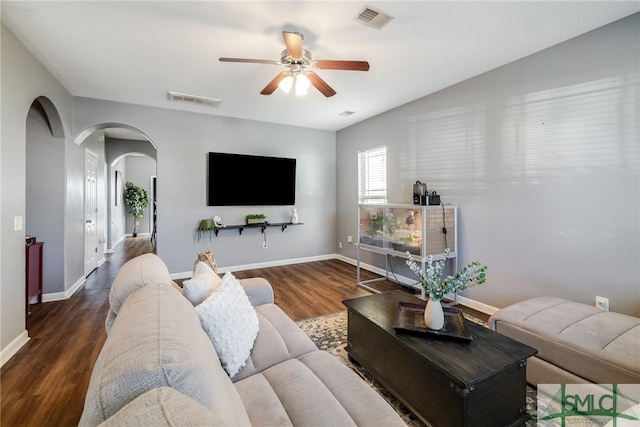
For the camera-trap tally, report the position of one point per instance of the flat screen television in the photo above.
(246, 180)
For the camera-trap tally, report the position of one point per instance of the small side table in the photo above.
(34, 266)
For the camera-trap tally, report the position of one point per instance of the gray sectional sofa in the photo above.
(159, 367)
(577, 343)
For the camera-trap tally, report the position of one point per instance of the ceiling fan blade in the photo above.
(294, 43)
(273, 84)
(342, 65)
(320, 84)
(252, 61)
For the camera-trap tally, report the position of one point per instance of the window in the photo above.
(372, 175)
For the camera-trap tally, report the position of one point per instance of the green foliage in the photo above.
(205, 226)
(431, 279)
(137, 200)
(383, 224)
(256, 216)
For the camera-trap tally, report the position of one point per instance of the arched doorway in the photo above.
(45, 192)
(129, 155)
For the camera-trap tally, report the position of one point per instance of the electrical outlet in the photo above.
(264, 245)
(340, 245)
(349, 239)
(602, 303)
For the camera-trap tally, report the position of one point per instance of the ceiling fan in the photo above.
(299, 60)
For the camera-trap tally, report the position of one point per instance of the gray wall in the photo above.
(23, 80)
(183, 141)
(540, 156)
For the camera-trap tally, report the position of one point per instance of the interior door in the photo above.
(90, 212)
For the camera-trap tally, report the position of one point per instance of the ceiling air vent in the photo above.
(347, 113)
(373, 18)
(193, 99)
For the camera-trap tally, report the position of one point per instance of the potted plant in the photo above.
(256, 219)
(436, 288)
(137, 200)
(205, 226)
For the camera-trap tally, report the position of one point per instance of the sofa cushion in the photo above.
(163, 406)
(258, 290)
(231, 323)
(201, 285)
(157, 341)
(279, 339)
(138, 272)
(602, 347)
(314, 390)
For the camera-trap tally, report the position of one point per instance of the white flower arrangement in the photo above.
(431, 279)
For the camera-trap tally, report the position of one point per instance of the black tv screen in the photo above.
(245, 180)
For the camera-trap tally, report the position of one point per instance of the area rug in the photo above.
(330, 333)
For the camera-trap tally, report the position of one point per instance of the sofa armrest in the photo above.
(258, 290)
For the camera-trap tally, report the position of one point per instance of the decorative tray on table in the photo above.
(410, 319)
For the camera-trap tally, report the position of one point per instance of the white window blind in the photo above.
(372, 175)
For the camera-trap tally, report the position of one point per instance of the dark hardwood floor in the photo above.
(44, 384)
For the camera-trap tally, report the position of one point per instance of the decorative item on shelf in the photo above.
(29, 240)
(434, 199)
(256, 219)
(436, 288)
(205, 226)
(217, 222)
(294, 216)
(137, 199)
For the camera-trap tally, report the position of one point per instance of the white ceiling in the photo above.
(136, 52)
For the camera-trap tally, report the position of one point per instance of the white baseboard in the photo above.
(61, 296)
(113, 247)
(13, 347)
(187, 274)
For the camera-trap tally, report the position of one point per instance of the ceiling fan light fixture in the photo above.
(286, 84)
(302, 84)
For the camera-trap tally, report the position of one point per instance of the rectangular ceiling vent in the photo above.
(193, 99)
(346, 113)
(373, 18)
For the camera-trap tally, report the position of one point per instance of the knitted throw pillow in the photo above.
(231, 323)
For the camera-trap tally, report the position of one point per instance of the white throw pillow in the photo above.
(201, 284)
(231, 322)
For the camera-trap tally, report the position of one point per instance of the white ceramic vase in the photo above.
(434, 315)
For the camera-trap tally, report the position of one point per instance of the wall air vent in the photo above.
(193, 99)
(373, 18)
(347, 113)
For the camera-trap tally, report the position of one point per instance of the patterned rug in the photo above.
(330, 333)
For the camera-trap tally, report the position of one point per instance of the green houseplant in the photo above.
(206, 226)
(256, 219)
(137, 200)
(436, 287)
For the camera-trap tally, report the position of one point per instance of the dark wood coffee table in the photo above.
(443, 382)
